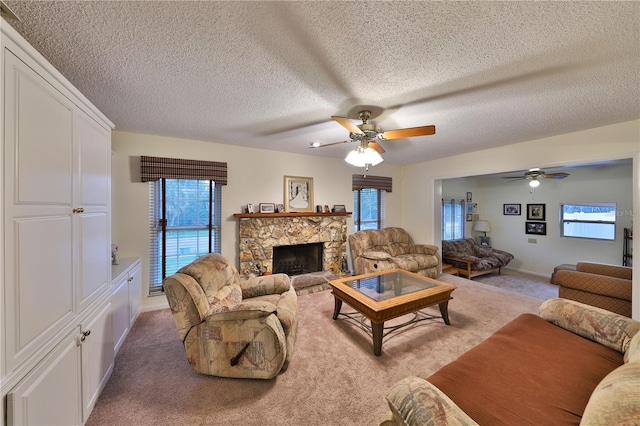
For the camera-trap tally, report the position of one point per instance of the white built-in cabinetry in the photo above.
(126, 297)
(57, 329)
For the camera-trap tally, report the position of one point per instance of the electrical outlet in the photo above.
(533, 240)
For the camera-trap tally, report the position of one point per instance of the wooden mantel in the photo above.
(291, 214)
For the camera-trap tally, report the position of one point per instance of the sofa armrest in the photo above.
(376, 255)
(415, 401)
(423, 249)
(263, 285)
(592, 283)
(601, 326)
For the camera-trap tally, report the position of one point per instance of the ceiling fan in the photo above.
(367, 133)
(533, 175)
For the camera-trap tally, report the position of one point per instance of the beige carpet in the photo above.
(333, 379)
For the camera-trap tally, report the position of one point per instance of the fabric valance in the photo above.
(367, 181)
(154, 168)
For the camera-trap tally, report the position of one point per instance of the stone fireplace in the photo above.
(260, 233)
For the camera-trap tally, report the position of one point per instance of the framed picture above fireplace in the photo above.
(298, 194)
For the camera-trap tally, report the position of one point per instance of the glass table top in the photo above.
(389, 285)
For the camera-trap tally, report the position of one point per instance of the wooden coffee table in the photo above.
(385, 295)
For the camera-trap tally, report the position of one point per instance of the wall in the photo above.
(424, 181)
(254, 176)
(603, 183)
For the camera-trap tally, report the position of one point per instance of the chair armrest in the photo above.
(423, 249)
(241, 311)
(376, 255)
(601, 326)
(596, 284)
(415, 401)
(263, 285)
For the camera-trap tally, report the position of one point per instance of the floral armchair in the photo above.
(230, 327)
(471, 260)
(392, 248)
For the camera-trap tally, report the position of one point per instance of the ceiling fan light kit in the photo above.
(363, 157)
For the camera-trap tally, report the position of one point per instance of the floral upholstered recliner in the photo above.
(230, 327)
(392, 248)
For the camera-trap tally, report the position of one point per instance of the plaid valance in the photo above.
(368, 181)
(154, 168)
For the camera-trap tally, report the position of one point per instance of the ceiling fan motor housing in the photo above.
(370, 131)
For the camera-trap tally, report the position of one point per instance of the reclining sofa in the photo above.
(378, 250)
(573, 364)
(471, 260)
(230, 327)
(597, 284)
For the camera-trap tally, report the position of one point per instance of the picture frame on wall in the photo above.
(536, 228)
(511, 209)
(535, 211)
(298, 194)
(267, 208)
(469, 217)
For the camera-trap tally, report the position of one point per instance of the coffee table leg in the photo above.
(337, 306)
(444, 311)
(377, 330)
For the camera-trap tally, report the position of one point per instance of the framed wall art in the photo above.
(537, 228)
(511, 209)
(535, 211)
(298, 194)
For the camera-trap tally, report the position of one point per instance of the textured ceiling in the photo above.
(271, 74)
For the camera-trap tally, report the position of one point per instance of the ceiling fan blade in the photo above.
(375, 145)
(408, 132)
(514, 178)
(347, 124)
(554, 175)
(329, 144)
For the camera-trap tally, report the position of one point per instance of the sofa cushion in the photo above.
(376, 255)
(615, 400)
(533, 354)
(415, 262)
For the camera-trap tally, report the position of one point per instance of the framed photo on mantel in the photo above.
(298, 194)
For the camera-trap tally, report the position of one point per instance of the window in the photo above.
(589, 220)
(453, 219)
(369, 201)
(185, 205)
(368, 206)
(184, 225)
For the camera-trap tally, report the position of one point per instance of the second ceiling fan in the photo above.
(367, 133)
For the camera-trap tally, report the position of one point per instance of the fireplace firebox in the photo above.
(297, 259)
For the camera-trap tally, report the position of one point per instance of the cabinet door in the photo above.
(38, 223)
(135, 291)
(93, 198)
(49, 394)
(97, 356)
(120, 313)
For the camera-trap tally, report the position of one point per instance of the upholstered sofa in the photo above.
(598, 284)
(392, 248)
(232, 327)
(471, 260)
(573, 364)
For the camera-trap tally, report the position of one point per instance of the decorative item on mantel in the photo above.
(115, 257)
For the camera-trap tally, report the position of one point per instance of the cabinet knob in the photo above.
(85, 334)
(78, 210)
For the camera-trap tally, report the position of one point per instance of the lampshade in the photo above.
(360, 157)
(482, 226)
(534, 182)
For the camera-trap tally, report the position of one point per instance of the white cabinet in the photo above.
(126, 297)
(56, 244)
